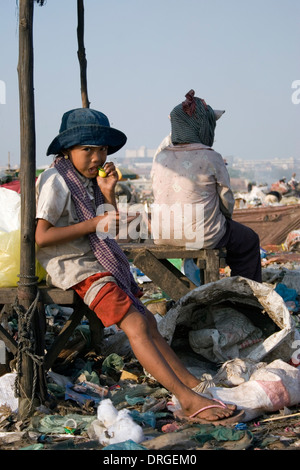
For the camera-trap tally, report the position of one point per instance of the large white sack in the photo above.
(269, 389)
(283, 341)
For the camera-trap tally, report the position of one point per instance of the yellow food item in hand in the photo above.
(102, 172)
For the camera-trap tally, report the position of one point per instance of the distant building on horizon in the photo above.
(141, 152)
(259, 170)
(139, 159)
(265, 170)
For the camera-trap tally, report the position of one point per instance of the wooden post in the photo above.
(81, 54)
(29, 330)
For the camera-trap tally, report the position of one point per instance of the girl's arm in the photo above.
(108, 184)
(47, 234)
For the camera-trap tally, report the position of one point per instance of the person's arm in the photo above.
(51, 203)
(108, 184)
(47, 234)
(226, 196)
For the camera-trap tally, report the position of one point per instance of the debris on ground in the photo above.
(109, 402)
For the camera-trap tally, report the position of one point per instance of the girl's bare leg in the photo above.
(170, 356)
(154, 354)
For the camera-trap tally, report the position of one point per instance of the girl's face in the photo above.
(87, 159)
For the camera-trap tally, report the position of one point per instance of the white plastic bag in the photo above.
(7, 391)
(10, 208)
(113, 426)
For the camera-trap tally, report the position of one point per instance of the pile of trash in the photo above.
(139, 415)
(278, 193)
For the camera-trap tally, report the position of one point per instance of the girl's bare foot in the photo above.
(216, 411)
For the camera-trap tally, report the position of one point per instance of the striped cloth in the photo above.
(193, 121)
(107, 250)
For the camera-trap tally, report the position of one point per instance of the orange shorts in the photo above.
(110, 304)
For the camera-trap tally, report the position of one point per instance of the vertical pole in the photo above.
(27, 286)
(81, 54)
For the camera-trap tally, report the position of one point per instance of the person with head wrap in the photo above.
(193, 200)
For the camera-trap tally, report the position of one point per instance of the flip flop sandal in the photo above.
(234, 418)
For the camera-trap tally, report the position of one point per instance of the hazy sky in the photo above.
(144, 56)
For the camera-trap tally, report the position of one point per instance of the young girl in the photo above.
(74, 256)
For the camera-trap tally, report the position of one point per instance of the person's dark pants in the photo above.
(243, 250)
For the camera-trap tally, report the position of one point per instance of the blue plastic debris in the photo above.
(288, 295)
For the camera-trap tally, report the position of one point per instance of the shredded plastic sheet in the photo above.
(56, 424)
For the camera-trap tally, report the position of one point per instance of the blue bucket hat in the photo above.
(85, 126)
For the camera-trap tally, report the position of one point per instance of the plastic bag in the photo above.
(10, 260)
(113, 426)
(269, 389)
(10, 210)
(7, 391)
(10, 206)
(290, 296)
(256, 388)
(54, 424)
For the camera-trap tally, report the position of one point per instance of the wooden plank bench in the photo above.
(152, 260)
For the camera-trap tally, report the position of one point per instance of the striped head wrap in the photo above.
(107, 250)
(193, 121)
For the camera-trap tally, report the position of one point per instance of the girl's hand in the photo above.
(108, 223)
(109, 182)
(112, 223)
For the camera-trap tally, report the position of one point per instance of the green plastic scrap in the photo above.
(125, 445)
(144, 418)
(208, 432)
(89, 374)
(57, 390)
(33, 447)
(56, 423)
(134, 400)
(131, 391)
(112, 363)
